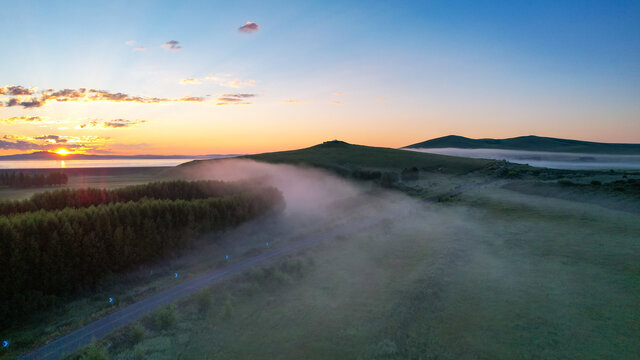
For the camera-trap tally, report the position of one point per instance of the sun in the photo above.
(63, 152)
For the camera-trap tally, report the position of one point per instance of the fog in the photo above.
(553, 160)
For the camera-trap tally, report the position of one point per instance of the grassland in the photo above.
(495, 273)
(107, 178)
(491, 275)
(343, 158)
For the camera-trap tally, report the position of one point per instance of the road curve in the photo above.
(100, 328)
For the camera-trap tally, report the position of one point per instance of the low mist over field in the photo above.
(553, 160)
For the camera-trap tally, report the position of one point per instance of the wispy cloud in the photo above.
(381, 99)
(338, 93)
(190, 81)
(52, 142)
(38, 99)
(336, 102)
(115, 124)
(54, 139)
(249, 27)
(29, 119)
(234, 99)
(172, 45)
(134, 43)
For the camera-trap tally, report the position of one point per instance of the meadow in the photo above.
(497, 272)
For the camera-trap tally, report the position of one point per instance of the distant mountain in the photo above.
(46, 155)
(530, 143)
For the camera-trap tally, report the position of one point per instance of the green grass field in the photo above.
(340, 156)
(498, 272)
(108, 178)
(491, 275)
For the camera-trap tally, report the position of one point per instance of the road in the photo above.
(100, 328)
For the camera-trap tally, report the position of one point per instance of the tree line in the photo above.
(46, 256)
(22, 180)
(77, 198)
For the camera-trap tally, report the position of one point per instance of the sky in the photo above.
(222, 77)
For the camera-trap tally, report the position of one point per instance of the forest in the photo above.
(23, 180)
(81, 236)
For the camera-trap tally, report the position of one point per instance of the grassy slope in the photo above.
(342, 156)
(495, 276)
(530, 143)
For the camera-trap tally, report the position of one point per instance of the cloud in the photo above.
(234, 99)
(55, 139)
(172, 45)
(336, 102)
(338, 93)
(17, 145)
(190, 81)
(380, 99)
(130, 42)
(86, 95)
(139, 48)
(22, 119)
(249, 27)
(51, 142)
(115, 124)
(16, 90)
(192, 99)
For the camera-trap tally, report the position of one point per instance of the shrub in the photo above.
(136, 333)
(95, 351)
(203, 300)
(166, 317)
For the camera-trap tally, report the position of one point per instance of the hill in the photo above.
(342, 157)
(530, 143)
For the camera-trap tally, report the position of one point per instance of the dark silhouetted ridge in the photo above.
(530, 143)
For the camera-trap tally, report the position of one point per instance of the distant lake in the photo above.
(61, 164)
(553, 160)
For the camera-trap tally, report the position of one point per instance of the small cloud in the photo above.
(16, 91)
(139, 48)
(336, 102)
(130, 42)
(338, 93)
(54, 139)
(22, 119)
(381, 99)
(115, 124)
(240, 95)
(249, 27)
(292, 101)
(234, 99)
(190, 81)
(172, 45)
(192, 99)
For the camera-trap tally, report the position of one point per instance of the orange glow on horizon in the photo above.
(63, 152)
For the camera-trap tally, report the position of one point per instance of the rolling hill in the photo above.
(530, 143)
(340, 156)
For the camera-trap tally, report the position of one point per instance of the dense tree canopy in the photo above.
(47, 255)
(22, 180)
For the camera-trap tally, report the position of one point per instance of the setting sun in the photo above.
(63, 152)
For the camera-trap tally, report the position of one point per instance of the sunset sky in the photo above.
(209, 77)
